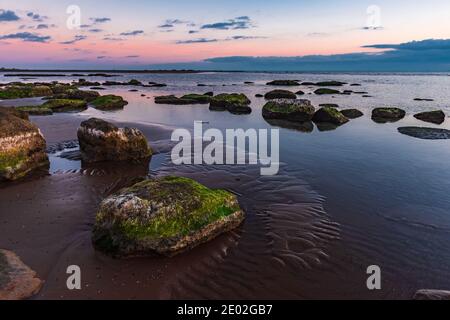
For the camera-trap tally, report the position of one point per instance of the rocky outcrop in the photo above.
(425, 133)
(20, 90)
(324, 91)
(163, 216)
(102, 141)
(330, 115)
(17, 281)
(352, 113)
(432, 295)
(437, 117)
(22, 148)
(109, 102)
(284, 83)
(75, 94)
(384, 115)
(287, 109)
(280, 94)
(235, 103)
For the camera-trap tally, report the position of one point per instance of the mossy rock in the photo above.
(76, 94)
(280, 94)
(324, 91)
(188, 99)
(20, 91)
(330, 115)
(198, 98)
(135, 82)
(436, 117)
(65, 105)
(109, 102)
(163, 216)
(287, 109)
(35, 110)
(352, 113)
(236, 103)
(286, 83)
(384, 115)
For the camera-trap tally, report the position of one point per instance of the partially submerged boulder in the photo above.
(425, 133)
(165, 216)
(298, 110)
(76, 94)
(235, 103)
(352, 113)
(330, 115)
(17, 281)
(432, 295)
(65, 105)
(187, 99)
(437, 117)
(283, 83)
(109, 102)
(330, 84)
(102, 141)
(323, 91)
(384, 115)
(22, 148)
(280, 94)
(20, 91)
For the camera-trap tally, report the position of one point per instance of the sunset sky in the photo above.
(138, 34)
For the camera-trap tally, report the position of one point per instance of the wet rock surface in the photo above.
(288, 109)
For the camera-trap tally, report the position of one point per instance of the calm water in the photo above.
(346, 199)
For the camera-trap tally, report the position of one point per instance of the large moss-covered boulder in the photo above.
(235, 103)
(298, 110)
(20, 91)
(76, 94)
(109, 102)
(284, 83)
(330, 115)
(102, 141)
(163, 216)
(384, 115)
(17, 281)
(280, 94)
(324, 91)
(22, 147)
(437, 117)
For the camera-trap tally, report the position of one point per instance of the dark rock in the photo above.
(283, 83)
(355, 85)
(300, 93)
(329, 105)
(425, 133)
(289, 109)
(329, 115)
(165, 216)
(352, 113)
(384, 115)
(324, 91)
(308, 83)
(330, 84)
(75, 94)
(234, 103)
(209, 94)
(437, 117)
(109, 102)
(306, 127)
(258, 95)
(184, 100)
(419, 99)
(280, 94)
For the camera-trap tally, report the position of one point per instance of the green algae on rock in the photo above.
(65, 105)
(164, 216)
(20, 91)
(22, 148)
(298, 110)
(280, 94)
(384, 115)
(76, 94)
(329, 115)
(109, 102)
(236, 103)
(102, 141)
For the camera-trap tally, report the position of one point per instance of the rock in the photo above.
(59, 88)
(22, 148)
(36, 110)
(184, 100)
(209, 94)
(165, 216)
(85, 83)
(134, 82)
(355, 85)
(384, 115)
(432, 295)
(249, 82)
(258, 95)
(157, 85)
(283, 83)
(287, 109)
(329, 105)
(109, 102)
(352, 113)
(75, 94)
(425, 133)
(330, 84)
(102, 141)
(329, 115)
(133, 90)
(16, 112)
(323, 91)
(308, 83)
(306, 127)
(280, 94)
(65, 105)
(234, 103)
(437, 117)
(420, 99)
(17, 281)
(300, 93)
(197, 98)
(97, 88)
(20, 91)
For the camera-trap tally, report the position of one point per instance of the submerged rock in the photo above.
(283, 83)
(109, 102)
(288, 109)
(102, 141)
(432, 295)
(324, 91)
(437, 117)
(329, 115)
(165, 216)
(22, 148)
(280, 94)
(352, 113)
(17, 281)
(425, 133)
(384, 115)
(235, 103)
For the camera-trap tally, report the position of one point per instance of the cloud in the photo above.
(132, 33)
(193, 31)
(76, 39)
(429, 44)
(206, 40)
(36, 17)
(111, 38)
(100, 20)
(8, 15)
(237, 23)
(166, 25)
(200, 40)
(95, 30)
(132, 57)
(26, 36)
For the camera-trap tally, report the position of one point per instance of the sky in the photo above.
(297, 35)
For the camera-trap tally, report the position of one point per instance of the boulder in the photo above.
(324, 91)
(300, 93)
(165, 216)
(198, 98)
(102, 141)
(384, 115)
(187, 99)
(64, 105)
(330, 115)
(75, 94)
(283, 83)
(352, 113)
(287, 109)
(17, 281)
(280, 94)
(20, 91)
(432, 295)
(22, 148)
(425, 133)
(330, 84)
(437, 117)
(235, 103)
(109, 102)
(329, 105)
